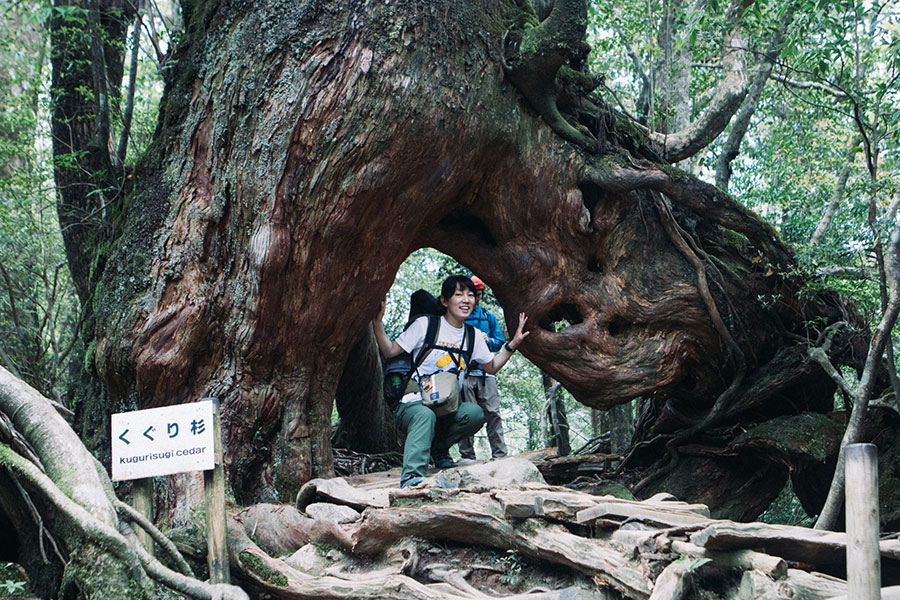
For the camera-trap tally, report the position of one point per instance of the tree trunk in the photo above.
(304, 150)
(366, 423)
(87, 66)
(621, 428)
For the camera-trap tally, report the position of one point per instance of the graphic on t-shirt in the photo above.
(447, 359)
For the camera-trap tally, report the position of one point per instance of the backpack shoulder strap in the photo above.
(431, 334)
(470, 343)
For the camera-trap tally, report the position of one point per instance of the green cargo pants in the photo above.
(428, 434)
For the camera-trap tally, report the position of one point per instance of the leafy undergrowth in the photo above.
(13, 582)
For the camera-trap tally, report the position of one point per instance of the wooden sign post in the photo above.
(176, 439)
(142, 500)
(861, 505)
(214, 489)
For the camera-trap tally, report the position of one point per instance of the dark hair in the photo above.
(456, 282)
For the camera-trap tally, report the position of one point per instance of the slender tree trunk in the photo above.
(741, 121)
(87, 64)
(837, 196)
(621, 426)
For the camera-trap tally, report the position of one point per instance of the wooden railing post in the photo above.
(861, 504)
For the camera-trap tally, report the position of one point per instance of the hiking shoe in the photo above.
(466, 461)
(411, 480)
(444, 463)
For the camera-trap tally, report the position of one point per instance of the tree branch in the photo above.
(806, 85)
(727, 98)
(741, 122)
(834, 501)
(122, 149)
(838, 195)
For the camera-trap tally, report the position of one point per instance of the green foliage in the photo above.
(787, 510)
(13, 582)
(38, 307)
(39, 312)
(513, 566)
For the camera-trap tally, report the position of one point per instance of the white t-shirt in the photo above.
(438, 359)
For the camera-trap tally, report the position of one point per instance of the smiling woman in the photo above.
(431, 340)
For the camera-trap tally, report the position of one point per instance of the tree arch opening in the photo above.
(524, 389)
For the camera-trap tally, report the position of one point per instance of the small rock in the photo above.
(308, 560)
(332, 512)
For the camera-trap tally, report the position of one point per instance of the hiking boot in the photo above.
(465, 462)
(411, 480)
(443, 462)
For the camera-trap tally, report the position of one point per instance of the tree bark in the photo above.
(366, 423)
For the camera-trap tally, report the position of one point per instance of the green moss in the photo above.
(261, 570)
(614, 489)
(89, 355)
(810, 435)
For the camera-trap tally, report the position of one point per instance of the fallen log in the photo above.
(465, 518)
(746, 560)
(674, 583)
(887, 593)
(542, 541)
(796, 585)
(281, 529)
(549, 504)
(478, 519)
(790, 542)
(562, 504)
(567, 468)
(286, 579)
(664, 515)
(338, 491)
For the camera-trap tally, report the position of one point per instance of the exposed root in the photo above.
(43, 532)
(735, 356)
(621, 545)
(165, 543)
(132, 557)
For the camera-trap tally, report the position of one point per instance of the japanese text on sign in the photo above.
(163, 441)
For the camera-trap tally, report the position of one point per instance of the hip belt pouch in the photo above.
(440, 391)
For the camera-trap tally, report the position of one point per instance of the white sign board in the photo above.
(163, 441)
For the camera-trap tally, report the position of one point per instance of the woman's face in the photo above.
(459, 306)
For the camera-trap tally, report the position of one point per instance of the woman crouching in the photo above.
(432, 426)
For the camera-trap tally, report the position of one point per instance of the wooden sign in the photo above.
(163, 441)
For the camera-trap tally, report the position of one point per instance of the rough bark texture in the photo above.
(366, 422)
(305, 148)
